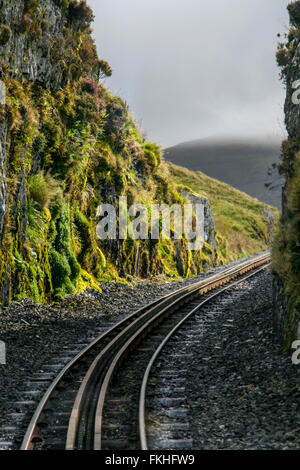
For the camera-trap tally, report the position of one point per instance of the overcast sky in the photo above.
(191, 69)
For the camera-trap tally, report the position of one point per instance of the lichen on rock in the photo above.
(286, 246)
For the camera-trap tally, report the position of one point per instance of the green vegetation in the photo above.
(282, 56)
(286, 246)
(71, 146)
(294, 12)
(241, 225)
(286, 251)
(5, 34)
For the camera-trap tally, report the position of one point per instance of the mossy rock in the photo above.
(5, 34)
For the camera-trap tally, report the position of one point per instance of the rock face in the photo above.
(67, 146)
(25, 55)
(292, 110)
(3, 188)
(209, 225)
(269, 216)
(286, 246)
(29, 56)
(279, 308)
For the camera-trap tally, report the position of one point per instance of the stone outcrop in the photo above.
(66, 146)
(28, 55)
(286, 248)
(209, 225)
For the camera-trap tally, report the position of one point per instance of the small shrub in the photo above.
(52, 133)
(294, 12)
(81, 221)
(88, 54)
(282, 57)
(31, 6)
(81, 12)
(74, 267)
(60, 268)
(133, 148)
(41, 189)
(104, 69)
(5, 34)
(90, 86)
(87, 109)
(39, 144)
(116, 123)
(153, 155)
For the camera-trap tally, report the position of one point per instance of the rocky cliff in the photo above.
(286, 248)
(68, 146)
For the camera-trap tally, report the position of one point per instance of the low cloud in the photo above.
(191, 69)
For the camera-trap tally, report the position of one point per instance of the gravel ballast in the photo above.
(222, 382)
(37, 335)
(244, 393)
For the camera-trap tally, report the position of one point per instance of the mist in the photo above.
(192, 69)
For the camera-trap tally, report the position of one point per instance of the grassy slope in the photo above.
(238, 217)
(244, 164)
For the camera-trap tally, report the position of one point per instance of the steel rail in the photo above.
(142, 400)
(138, 334)
(128, 324)
(32, 428)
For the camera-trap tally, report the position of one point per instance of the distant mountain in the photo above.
(246, 164)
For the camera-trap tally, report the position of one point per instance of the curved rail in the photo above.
(27, 443)
(116, 341)
(137, 335)
(142, 400)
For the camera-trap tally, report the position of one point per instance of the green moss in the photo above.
(282, 57)
(41, 189)
(294, 13)
(5, 34)
(31, 6)
(60, 268)
(64, 266)
(286, 244)
(286, 251)
(74, 146)
(153, 155)
(80, 12)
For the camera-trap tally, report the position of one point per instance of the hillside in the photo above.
(244, 164)
(240, 219)
(68, 146)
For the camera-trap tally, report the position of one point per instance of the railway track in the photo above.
(98, 399)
